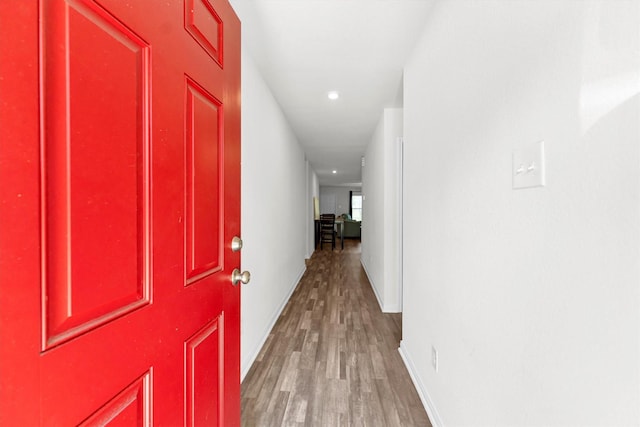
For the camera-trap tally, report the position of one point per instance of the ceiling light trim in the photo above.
(333, 95)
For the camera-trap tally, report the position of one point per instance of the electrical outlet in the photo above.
(434, 358)
(529, 166)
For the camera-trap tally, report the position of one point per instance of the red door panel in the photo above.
(120, 189)
(204, 152)
(129, 408)
(95, 168)
(204, 383)
(205, 25)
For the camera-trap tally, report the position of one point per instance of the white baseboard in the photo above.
(373, 286)
(428, 404)
(271, 324)
(390, 309)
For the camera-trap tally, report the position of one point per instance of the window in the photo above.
(356, 207)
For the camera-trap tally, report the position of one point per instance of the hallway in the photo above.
(332, 358)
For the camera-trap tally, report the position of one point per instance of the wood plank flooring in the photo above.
(332, 358)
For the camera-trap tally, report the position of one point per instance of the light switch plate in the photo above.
(528, 169)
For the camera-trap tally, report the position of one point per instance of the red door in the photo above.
(119, 199)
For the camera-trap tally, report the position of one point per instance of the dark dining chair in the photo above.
(327, 230)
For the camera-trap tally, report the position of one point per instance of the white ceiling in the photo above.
(306, 48)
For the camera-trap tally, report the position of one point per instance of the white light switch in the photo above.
(528, 166)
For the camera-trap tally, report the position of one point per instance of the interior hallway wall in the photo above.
(531, 297)
(275, 211)
(313, 190)
(380, 233)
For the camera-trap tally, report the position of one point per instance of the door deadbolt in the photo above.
(236, 244)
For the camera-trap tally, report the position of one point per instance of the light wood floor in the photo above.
(332, 358)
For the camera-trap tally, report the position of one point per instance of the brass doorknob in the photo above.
(243, 277)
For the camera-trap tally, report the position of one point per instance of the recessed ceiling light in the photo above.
(334, 171)
(333, 95)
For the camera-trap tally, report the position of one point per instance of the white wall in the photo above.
(379, 213)
(275, 209)
(313, 190)
(341, 195)
(531, 297)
